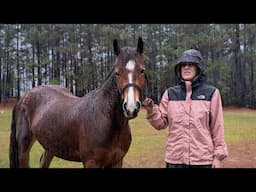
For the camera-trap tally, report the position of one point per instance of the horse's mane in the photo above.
(108, 79)
(109, 85)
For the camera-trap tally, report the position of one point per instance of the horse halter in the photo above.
(121, 91)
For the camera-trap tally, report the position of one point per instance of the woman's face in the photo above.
(188, 71)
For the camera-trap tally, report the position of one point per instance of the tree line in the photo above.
(79, 56)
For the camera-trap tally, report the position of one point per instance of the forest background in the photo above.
(80, 56)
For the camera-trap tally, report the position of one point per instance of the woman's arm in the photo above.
(157, 115)
(217, 127)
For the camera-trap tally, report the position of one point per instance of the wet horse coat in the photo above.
(93, 129)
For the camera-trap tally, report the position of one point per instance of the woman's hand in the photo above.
(148, 104)
(216, 163)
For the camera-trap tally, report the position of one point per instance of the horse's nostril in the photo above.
(125, 106)
(138, 105)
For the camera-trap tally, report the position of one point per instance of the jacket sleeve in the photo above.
(158, 118)
(217, 127)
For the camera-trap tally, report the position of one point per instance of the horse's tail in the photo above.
(13, 150)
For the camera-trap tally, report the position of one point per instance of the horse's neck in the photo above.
(110, 93)
(109, 89)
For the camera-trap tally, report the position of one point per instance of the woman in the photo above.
(193, 112)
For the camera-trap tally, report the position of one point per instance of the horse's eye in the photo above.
(117, 74)
(142, 71)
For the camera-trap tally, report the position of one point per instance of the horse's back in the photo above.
(52, 91)
(42, 98)
(43, 94)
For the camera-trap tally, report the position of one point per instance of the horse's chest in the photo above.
(119, 147)
(110, 154)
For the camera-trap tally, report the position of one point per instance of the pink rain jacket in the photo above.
(194, 117)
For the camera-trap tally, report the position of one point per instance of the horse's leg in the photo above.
(90, 164)
(118, 164)
(25, 143)
(45, 159)
(25, 140)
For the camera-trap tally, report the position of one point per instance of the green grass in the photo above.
(148, 144)
(5, 121)
(240, 126)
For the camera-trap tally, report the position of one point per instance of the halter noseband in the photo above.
(130, 85)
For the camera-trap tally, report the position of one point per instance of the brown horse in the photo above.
(93, 129)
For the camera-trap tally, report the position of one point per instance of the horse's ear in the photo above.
(140, 45)
(116, 47)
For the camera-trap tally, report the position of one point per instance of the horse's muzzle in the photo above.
(131, 113)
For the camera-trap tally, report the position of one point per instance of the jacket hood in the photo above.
(193, 56)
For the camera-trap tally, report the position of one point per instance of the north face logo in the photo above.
(201, 97)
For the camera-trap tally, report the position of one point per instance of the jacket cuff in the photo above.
(152, 113)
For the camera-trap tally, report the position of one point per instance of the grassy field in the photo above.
(240, 126)
(148, 145)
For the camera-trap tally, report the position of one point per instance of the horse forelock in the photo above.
(126, 54)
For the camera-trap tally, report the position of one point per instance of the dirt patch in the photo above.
(241, 155)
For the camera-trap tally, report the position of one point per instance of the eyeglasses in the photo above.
(187, 64)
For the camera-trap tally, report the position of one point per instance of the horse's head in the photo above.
(129, 68)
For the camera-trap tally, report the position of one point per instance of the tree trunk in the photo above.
(239, 73)
(18, 61)
(39, 78)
